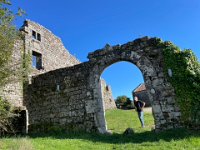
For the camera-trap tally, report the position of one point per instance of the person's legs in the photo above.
(141, 117)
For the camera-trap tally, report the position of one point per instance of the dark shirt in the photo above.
(138, 105)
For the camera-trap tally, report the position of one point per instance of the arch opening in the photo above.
(118, 82)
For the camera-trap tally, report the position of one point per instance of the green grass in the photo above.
(118, 121)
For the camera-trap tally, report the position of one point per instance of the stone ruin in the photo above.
(108, 99)
(67, 94)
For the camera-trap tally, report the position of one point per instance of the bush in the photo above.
(6, 117)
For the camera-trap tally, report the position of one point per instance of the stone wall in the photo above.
(71, 97)
(13, 92)
(109, 102)
(61, 98)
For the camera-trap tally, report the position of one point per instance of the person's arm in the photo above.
(143, 104)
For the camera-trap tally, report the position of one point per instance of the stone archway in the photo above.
(148, 57)
(77, 104)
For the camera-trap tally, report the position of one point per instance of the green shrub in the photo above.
(6, 116)
(185, 80)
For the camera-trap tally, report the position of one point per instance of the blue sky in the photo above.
(85, 26)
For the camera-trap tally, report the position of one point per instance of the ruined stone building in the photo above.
(47, 53)
(109, 102)
(66, 94)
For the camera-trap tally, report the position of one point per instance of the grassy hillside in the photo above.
(118, 121)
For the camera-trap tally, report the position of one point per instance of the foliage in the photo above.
(6, 116)
(185, 80)
(123, 102)
(117, 120)
(8, 35)
(9, 71)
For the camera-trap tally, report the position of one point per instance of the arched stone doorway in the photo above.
(148, 57)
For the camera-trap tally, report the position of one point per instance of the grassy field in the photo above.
(118, 121)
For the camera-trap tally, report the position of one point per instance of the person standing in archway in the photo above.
(139, 108)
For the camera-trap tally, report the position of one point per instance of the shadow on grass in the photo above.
(148, 136)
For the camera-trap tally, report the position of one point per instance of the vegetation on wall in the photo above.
(185, 79)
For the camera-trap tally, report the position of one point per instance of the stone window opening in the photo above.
(33, 34)
(107, 88)
(38, 37)
(36, 60)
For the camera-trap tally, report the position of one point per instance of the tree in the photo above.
(8, 36)
(123, 101)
